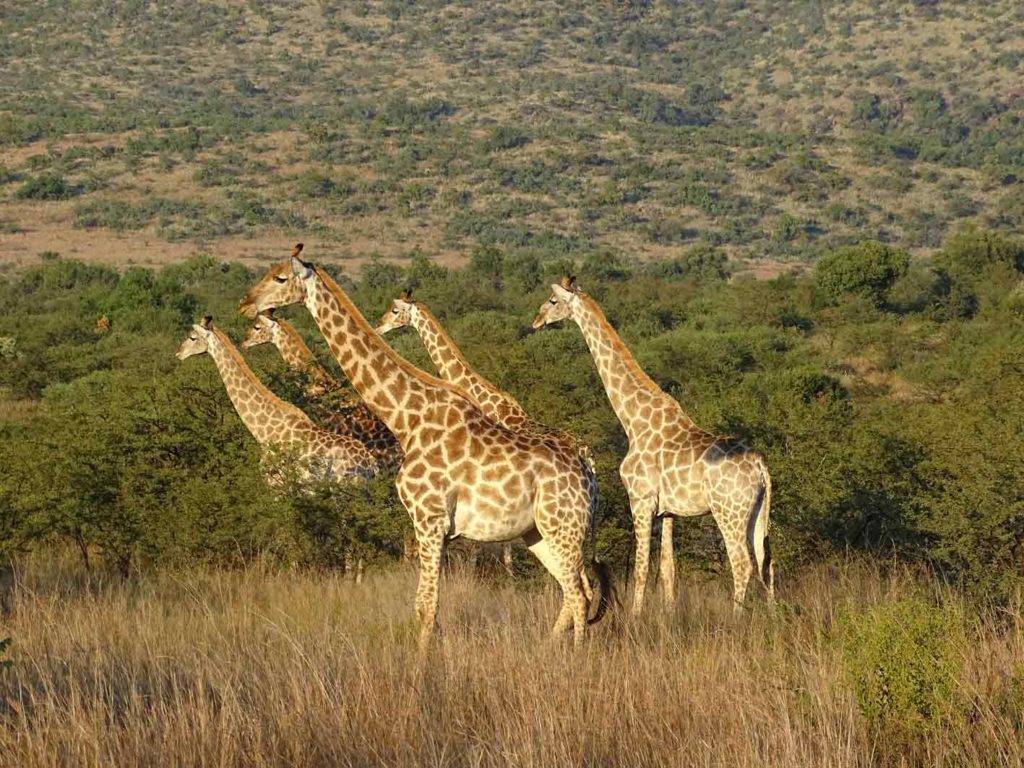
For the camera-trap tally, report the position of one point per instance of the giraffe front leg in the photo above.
(431, 548)
(667, 573)
(430, 521)
(643, 520)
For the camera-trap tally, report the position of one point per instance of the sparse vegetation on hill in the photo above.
(776, 131)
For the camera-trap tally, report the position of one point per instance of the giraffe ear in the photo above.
(405, 295)
(560, 292)
(296, 250)
(268, 313)
(206, 322)
(568, 282)
(300, 268)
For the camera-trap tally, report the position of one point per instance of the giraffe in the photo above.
(297, 356)
(453, 367)
(351, 416)
(274, 423)
(672, 467)
(463, 474)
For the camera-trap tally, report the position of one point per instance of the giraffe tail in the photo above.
(762, 546)
(604, 584)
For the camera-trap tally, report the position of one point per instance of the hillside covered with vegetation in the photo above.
(773, 132)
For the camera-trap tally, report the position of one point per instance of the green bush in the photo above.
(903, 662)
(868, 269)
(504, 137)
(46, 187)
(314, 184)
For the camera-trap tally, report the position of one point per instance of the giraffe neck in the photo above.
(627, 386)
(291, 346)
(263, 413)
(454, 367)
(296, 354)
(393, 388)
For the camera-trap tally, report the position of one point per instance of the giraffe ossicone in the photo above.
(672, 467)
(463, 474)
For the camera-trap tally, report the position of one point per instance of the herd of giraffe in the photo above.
(469, 461)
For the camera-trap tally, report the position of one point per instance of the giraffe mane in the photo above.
(618, 345)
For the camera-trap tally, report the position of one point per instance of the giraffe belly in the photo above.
(681, 495)
(482, 519)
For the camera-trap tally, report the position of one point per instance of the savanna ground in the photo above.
(859, 665)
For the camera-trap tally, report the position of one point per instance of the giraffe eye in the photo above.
(554, 301)
(281, 279)
(394, 311)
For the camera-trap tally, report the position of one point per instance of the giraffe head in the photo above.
(198, 340)
(284, 284)
(262, 330)
(401, 314)
(564, 295)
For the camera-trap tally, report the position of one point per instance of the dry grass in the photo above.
(294, 668)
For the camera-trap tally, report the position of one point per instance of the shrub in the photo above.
(313, 184)
(868, 269)
(46, 187)
(504, 137)
(903, 662)
(703, 263)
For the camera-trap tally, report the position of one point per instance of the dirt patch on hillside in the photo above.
(146, 249)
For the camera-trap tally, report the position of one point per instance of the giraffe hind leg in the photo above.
(574, 600)
(731, 515)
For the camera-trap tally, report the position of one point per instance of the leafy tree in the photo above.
(868, 269)
(487, 260)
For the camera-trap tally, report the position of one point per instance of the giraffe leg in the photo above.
(667, 574)
(542, 552)
(574, 599)
(588, 589)
(506, 558)
(731, 518)
(431, 547)
(643, 520)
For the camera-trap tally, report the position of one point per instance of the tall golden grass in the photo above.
(266, 667)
